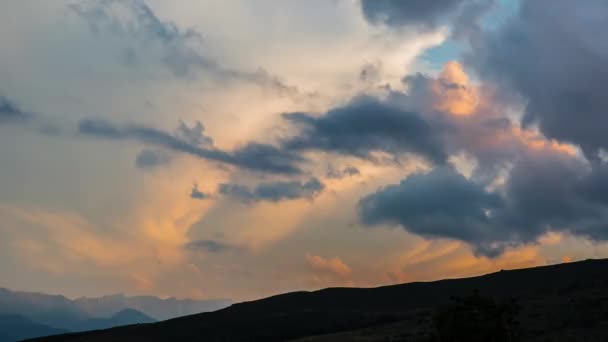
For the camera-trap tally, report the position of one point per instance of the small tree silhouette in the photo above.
(476, 318)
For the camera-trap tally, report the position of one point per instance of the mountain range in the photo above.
(30, 314)
(16, 328)
(565, 302)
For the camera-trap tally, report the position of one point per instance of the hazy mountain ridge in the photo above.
(15, 328)
(60, 314)
(566, 302)
(158, 308)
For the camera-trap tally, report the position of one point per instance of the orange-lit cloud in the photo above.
(537, 142)
(333, 266)
(452, 92)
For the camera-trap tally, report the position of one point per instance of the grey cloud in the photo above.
(463, 16)
(195, 135)
(134, 20)
(274, 191)
(181, 50)
(210, 246)
(150, 159)
(253, 156)
(364, 126)
(10, 112)
(441, 203)
(554, 192)
(550, 54)
(348, 171)
(427, 14)
(197, 194)
(544, 192)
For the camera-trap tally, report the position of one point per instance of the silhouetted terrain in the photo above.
(567, 302)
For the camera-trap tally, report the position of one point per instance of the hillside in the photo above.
(567, 302)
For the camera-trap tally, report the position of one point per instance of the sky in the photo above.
(239, 149)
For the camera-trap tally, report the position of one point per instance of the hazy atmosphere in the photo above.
(237, 149)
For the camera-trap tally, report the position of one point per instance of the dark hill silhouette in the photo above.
(567, 302)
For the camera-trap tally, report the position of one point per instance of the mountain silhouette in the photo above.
(15, 328)
(566, 302)
(59, 314)
(157, 308)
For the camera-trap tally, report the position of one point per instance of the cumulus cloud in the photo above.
(364, 126)
(441, 203)
(333, 266)
(545, 192)
(253, 156)
(556, 65)
(274, 191)
(475, 117)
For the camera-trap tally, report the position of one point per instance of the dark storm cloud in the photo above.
(181, 50)
(441, 203)
(197, 194)
(10, 112)
(210, 246)
(364, 126)
(274, 191)
(551, 55)
(253, 156)
(543, 193)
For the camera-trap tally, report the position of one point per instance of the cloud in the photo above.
(557, 66)
(334, 266)
(197, 194)
(195, 135)
(363, 126)
(441, 203)
(10, 112)
(149, 159)
(348, 171)
(134, 20)
(472, 118)
(253, 156)
(209, 246)
(544, 192)
(274, 191)
(145, 36)
(425, 14)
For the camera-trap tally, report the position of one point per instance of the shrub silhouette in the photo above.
(476, 318)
